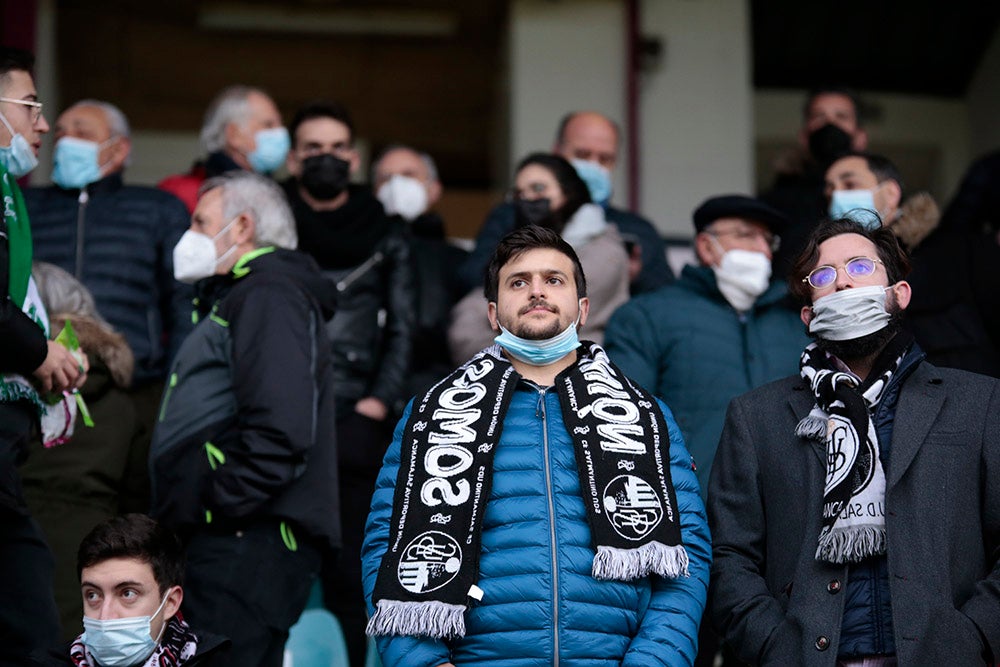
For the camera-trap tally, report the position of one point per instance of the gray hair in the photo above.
(117, 122)
(262, 200)
(432, 172)
(229, 106)
(62, 294)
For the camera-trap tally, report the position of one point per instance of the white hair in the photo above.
(232, 105)
(117, 122)
(262, 200)
(432, 172)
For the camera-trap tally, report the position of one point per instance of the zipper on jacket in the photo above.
(81, 213)
(362, 269)
(549, 495)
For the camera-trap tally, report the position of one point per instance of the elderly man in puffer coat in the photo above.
(535, 600)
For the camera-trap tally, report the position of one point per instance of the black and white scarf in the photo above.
(446, 464)
(853, 525)
(176, 647)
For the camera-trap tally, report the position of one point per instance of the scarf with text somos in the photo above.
(446, 463)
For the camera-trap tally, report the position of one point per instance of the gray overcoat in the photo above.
(777, 605)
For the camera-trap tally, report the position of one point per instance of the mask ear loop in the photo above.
(10, 128)
(163, 627)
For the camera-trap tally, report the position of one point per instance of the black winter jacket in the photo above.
(246, 425)
(119, 240)
(371, 334)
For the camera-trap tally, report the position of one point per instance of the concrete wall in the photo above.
(695, 106)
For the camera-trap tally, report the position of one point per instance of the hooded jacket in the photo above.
(246, 425)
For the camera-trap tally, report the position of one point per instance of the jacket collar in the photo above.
(107, 185)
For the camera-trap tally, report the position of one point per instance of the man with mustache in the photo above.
(854, 507)
(536, 506)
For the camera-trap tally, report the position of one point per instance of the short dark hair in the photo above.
(849, 93)
(565, 121)
(321, 109)
(135, 536)
(574, 189)
(13, 59)
(883, 168)
(894, 258)
(521, 241)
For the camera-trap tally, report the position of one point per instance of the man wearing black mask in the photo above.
(831, 128)
(367, 256)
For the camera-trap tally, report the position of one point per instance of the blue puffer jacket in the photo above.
(686, 345)
(119, 240)
(541, 606)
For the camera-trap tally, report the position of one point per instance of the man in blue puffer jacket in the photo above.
(524, 514)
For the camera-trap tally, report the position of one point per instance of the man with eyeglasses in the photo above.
(118, 240)
(854, 506)
(31, 367)
(367, 256)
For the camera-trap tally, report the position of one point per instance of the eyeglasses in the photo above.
(748, 236)
(826, 275)
(36, 107)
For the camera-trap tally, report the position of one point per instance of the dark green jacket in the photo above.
(688, 346)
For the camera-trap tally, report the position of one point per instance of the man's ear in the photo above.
(584, 311)
(244, 229)
(491, 315)
(704, 250)
(893, 192)
(433, 193)
(355, 161)
(173, 604)
(859, 141)
(902, 292)
(120, 150)
(806, 315)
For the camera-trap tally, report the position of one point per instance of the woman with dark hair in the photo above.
(549, 193)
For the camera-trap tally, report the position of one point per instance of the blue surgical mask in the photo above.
(121, 642)
(597, 178)
(76, 162)
(271, 151)
(856, 205)
(539, 352)
(17, 158)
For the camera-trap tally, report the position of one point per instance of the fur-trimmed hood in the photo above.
(918, 216)
(102, 345)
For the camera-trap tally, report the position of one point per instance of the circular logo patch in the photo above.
(632, 507)
(429, 562)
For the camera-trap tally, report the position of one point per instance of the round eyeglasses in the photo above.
(826, 275)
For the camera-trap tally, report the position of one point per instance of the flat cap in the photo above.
(739, 206)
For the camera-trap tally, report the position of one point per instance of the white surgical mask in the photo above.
(742, 275)
(540, 352)
(121, 642)
(194, 255)
(18, 158)
(850, 313)
(403, 196)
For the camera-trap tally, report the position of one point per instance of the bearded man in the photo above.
(855, 507)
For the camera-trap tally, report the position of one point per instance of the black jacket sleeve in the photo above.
(23, 346)
(274, 330)
(401, 320)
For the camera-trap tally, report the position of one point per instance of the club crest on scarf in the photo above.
(429, 562)
(632, 507)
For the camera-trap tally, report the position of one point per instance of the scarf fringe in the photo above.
(431, 619)
(813, 425)
(851, 544)
(651, 558)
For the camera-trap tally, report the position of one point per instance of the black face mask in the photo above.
(532, 211)
(829, 143)
(324, 176)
